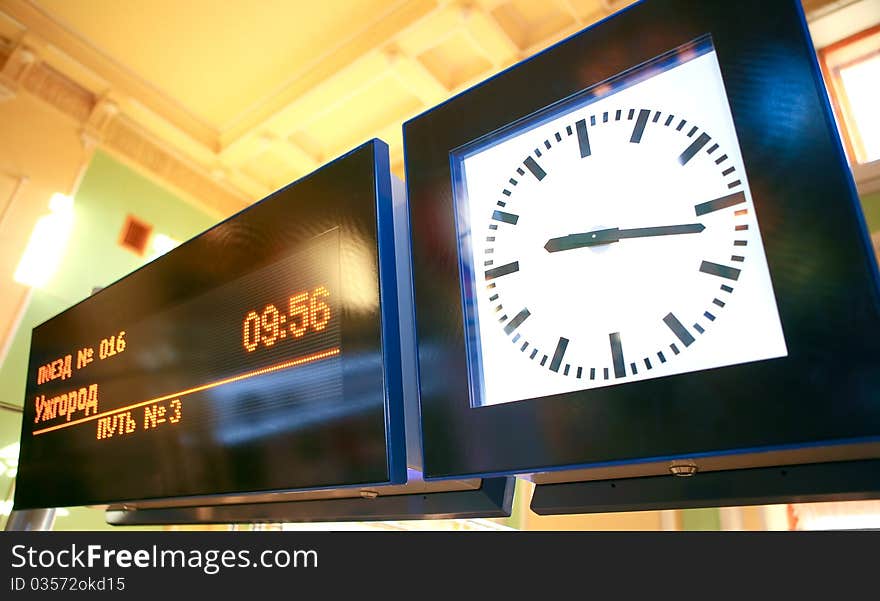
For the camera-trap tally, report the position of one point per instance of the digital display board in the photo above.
(252, 358)
(639, 246)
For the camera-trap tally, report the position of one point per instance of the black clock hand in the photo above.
(611, 235)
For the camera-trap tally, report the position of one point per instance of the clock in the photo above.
(642, 245)
(613, 238)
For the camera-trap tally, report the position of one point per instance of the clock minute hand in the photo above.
(611, 235)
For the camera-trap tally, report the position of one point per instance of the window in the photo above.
(852, 69)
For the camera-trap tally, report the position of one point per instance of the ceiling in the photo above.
(253, 99)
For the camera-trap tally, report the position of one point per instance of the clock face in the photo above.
(614, 241)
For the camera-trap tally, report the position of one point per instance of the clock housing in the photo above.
(805, 388)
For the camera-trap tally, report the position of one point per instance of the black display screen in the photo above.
(249, 359)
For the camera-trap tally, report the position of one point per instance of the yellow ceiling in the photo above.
(235, 98)
(218, 60)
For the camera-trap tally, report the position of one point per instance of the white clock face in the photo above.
(616, 242)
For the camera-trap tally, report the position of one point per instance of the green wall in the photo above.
(108, 193)
(871, 208)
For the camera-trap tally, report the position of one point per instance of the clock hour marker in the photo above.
(505, 217)
(535, 168)
(617, 355)
(558, 354)
(516, 321)
(723, 202)
(722, 271)
(679, 330)
(693, 149)
(583, 138)
(639, 129)
(497, 272)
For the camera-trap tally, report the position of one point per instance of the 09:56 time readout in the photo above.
(305, 312)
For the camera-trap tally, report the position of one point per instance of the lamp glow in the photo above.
(47, 243)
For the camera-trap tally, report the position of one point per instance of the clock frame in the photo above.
(819, 397)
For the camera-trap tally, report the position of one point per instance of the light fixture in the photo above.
(161, 244)
(47, 243)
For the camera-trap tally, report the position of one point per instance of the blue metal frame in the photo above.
(392, 360)
(821, 262)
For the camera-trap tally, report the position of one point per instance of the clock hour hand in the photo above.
(614, 234)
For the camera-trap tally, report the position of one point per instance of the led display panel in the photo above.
(254, 357)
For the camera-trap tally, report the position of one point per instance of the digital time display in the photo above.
(249, 359)
(211, 317)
